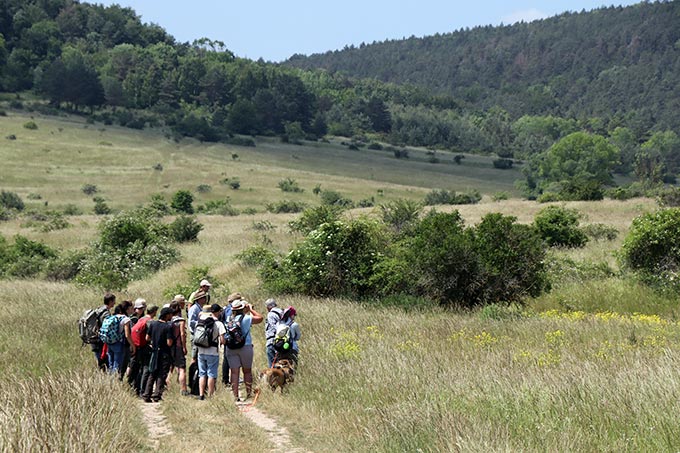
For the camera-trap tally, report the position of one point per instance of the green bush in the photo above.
(100, 206)
(651, 247)
(185, 229)
(190, 281)
(24, 258)
(669, 198)
(71, 209)
(290, 185)
(624, 193)
(131, 245)
(600, 231)
(313, 218)
(219, 207)
(502, 164)
(158, 205)
(334, 198)
(11, 200)
(500, 196)
(181, 202)
(400, 214)
(204, 188)
(65, 267)
(444, 196)
(285, 207)
(89, 189)
(559, 227)
(30, 125)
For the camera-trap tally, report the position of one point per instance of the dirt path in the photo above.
(155, 422)
(277, 434)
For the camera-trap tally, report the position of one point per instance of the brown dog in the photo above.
(279, 375)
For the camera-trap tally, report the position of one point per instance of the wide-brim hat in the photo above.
(239, 304)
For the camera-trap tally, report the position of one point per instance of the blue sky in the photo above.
(275, 30)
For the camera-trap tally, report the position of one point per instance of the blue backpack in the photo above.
(109, 332)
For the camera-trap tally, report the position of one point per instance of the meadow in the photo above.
(590, 366)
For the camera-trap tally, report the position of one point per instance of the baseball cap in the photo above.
(140, 303)
(205, 282)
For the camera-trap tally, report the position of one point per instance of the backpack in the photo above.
(282, 342)
(88, 325)
(109, 332)
(138, 332)
(204, 335)
(235, 338)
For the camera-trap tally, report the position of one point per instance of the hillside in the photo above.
(620, 64)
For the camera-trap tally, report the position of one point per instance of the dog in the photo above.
(280, 374)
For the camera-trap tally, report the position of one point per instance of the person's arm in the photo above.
(221, 333)
(192, 319)
(183, 335)
(169, 332)
(257, 318)
(128, 336)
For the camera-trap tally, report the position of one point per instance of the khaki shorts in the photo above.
(240, 358)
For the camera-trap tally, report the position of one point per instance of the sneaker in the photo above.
(202, 397)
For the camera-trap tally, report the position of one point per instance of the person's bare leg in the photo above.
(182, 376)
(211, 386)
(248, 379)
(234, 381)
(201, 385)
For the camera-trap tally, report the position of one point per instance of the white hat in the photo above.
(140, 303)
(179, 298)
(238, 304)
(166, 306)
(205, 282)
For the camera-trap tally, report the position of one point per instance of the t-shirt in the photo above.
(218, 331)
(176, 333)
(273, 317)
(246, 321)
(194, 313)
(159, 333)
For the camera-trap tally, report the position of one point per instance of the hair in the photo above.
(126, 305)
(109, 297)
(119, 310)
(175, 307)
(152, 309)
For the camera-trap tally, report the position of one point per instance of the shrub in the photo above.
(669, 198)
(11, 137)
(600, 231)
(333, 198)
(313, 218)
(30, 125)
(100, 206)
(188, 284)
(158, 167)
(624, 193)
(65, 267)
(289, 185)
(548, 197)
(34, 196)
(400, 214)
(263, 225)
(502, 164)
(131, 245)
(458, 158)
(203, 188)
(159, 205)
(11, 200)
(235, 184)
(444, 196)
(185, 229)
(181, 202)
(500, 196)
(219, 207)
(71, 209)
(559, 226)
(375, 146)
(401, 153)
(366, 203)
(24, 258)
(89, 189)
(285, 206)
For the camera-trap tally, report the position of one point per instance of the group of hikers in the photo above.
(130, 340)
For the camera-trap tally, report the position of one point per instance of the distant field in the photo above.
(55, 161)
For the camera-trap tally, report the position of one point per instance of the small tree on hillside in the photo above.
(181, 202)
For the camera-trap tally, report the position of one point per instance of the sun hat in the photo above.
(239, 304)
(140, 303)
(200, 295)
(179, 298)
(234, 296)
(205, 282)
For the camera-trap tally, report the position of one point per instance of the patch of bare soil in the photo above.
(156, 422)
(277, 433)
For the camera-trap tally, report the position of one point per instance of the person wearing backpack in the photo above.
(138, 322)
(159, 335)
(115, 332)
(208, 336)
(179, 349)
(274, 315)
(201, 299)
(226, 313)
(90, 324)
(240, 344)
(287, 335)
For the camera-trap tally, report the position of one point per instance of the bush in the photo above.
(24, 258)
(30, 125)
(290, 185)
(158, 167)
(285, 207)
(34, 196)
(181, 202)
(401, 153)
(89, 189)
(313, 218)
(502, 164)
(375, 146)
(669, 198)
(624, 193)
(185, 229)
(158, 205)
(500, 196)
(11, 200)
(333, 198)
(219, 207)
(203, 188)
(65, 267)
(188, 284)
(131, 245)
(559, 226)
(400, 214)
(71, 209)
(100, 206)
(600, 231)
(444, 196)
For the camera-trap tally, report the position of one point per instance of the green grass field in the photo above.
(590, 366)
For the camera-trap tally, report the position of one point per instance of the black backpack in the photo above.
(235, 338)
(204, 335)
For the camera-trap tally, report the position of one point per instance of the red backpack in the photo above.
(139, 332)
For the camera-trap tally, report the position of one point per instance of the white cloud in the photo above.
(527, 15)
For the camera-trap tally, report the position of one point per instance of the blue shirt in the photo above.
(194, 312)
(246, 322)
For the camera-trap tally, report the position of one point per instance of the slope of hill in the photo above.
(612, 62)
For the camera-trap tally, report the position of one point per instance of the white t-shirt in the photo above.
(218, 331)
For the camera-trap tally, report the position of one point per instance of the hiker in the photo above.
(159, 334)
(179, 349)
(97, 344)
(139, 362)
(201, 299)
(244, 316)
(226, 313)
(138, 313)
(204, 287)
(291, 351)
(115, 332)
(274, 315)
(209, 335)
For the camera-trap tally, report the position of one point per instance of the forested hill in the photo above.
(610, 62)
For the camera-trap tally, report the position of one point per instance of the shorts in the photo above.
(207, 365)
(179, 360)
(240, 358)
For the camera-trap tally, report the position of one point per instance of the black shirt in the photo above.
(159, 333)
